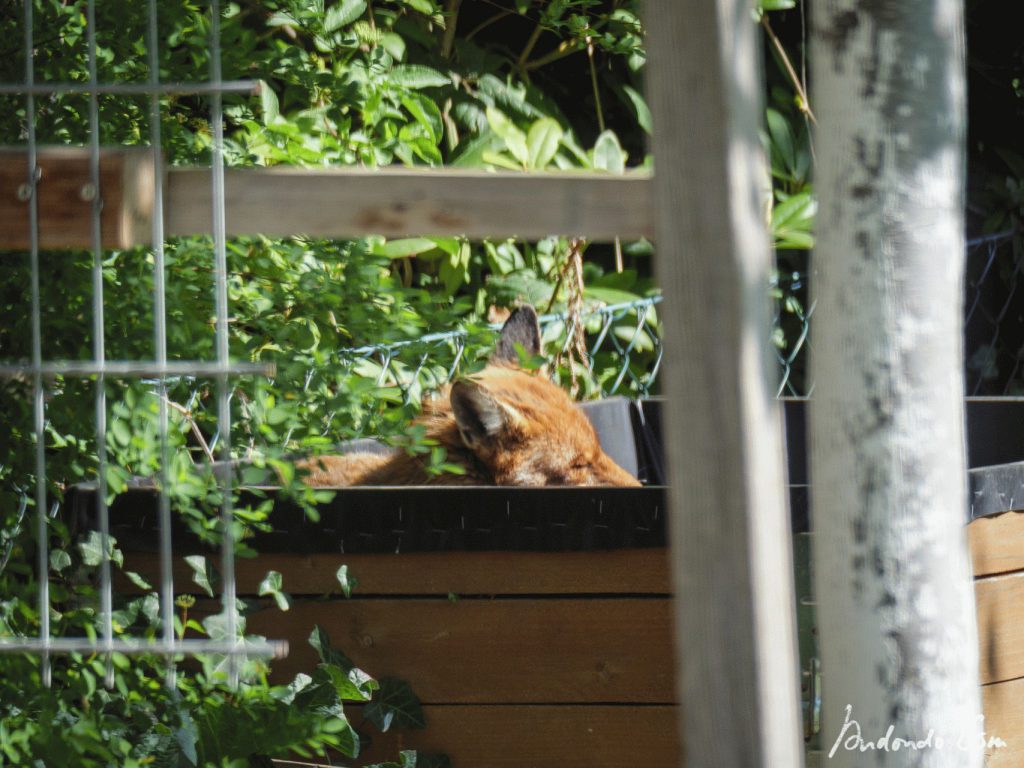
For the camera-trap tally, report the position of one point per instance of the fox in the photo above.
(501, 426)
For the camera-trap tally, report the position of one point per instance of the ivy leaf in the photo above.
(346, 580)
(321, 642)
(394, 705)
(138, 581)
(59, 560)
(203, 573)
(272, 585)
(343, 13)
(92, 549)
(352, 684)
(542, 142)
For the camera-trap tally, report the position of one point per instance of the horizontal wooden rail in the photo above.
(394, 202)
(317, 202)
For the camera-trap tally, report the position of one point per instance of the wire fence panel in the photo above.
(99, 368)
(994, 315)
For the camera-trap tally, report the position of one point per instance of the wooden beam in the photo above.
(397, 202)
(65, 193)
(729, 525)
(317, 202)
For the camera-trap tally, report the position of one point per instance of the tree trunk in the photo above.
(895, 599)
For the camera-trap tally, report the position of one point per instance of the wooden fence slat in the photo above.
(493, 651)
(346, 202)
(1000, 604)
(1003, 705)
(569, 736)
(729, 525)
(997, 543)
(621, 571)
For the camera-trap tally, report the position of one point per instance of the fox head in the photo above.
(524, 429)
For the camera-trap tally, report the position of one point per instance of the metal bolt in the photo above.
(24, 192)
(88, 192)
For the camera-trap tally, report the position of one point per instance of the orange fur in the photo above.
(503, 426)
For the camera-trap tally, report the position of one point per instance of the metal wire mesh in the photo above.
(100, 368)
(994, 315)
(617, 331)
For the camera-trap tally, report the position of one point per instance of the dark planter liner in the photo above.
(364, 520)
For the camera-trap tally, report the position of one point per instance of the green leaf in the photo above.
(351, 684)
(321, 642)
(138, 581)
(643, 112)
(268, 100)
(608, 154)
(418, 76)
(394, 705)
(426, 113)
(542, 142)
(782, 142)
(343, 13)
(397, 249)
(514, 138)
(92, 549)
(121, 432)
(203, 573)
(272, 584)
(347, 581)
(59, 560)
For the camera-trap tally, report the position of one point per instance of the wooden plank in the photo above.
(1003, 705)
(565, 736)
(487, 651)
(396, 202)
(731, 548)
(1000, 604)
(64, 205)
(997, 543)
(622, 571)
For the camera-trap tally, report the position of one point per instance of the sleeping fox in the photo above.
(503, 426)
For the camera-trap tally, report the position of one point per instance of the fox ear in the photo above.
(479, 416)
(521, 328)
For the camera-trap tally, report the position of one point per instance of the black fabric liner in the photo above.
(411, 519)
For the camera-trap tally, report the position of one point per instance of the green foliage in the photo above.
(343, 82)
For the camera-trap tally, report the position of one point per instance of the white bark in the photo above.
(895, 599)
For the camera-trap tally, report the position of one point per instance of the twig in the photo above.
(564, 49)
(805, 104)
(487, 22)
(593, 83)
(196, 432)
(531, 43)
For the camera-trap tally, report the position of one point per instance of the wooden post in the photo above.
(66, 193)
(730, 532)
